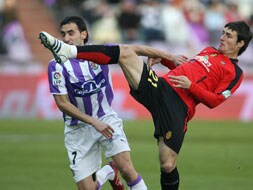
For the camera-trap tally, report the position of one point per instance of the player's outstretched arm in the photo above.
(151, 52)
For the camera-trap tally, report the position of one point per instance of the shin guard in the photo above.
(170, 181)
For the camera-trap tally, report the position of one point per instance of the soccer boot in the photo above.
(116, 183)
(60, 50)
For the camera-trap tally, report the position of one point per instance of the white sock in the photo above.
(104, 174)
(73, 51)
(137, 184)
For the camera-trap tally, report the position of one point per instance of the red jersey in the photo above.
(214, 78)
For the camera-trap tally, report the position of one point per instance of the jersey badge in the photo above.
(213, 55)
(204, 61)
(226, 93)
(57, 78)
(94, 66)
(168, 135)
(222, 62)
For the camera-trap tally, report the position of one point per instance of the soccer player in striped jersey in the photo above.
(210, 78)
(83, 91)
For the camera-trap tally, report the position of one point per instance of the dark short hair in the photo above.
(79, 21)
(243, 33)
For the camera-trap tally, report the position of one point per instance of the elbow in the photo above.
(212, 105)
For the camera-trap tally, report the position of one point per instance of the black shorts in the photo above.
(168, 111)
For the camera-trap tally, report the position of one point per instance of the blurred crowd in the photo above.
(179, 26)
(12, 39)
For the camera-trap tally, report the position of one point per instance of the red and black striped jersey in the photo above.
(214, 78)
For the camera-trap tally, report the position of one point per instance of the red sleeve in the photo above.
(206, 97)
(213, 99)
(167, 63)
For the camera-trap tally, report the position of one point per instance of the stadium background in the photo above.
(217, 153)
(182, 27)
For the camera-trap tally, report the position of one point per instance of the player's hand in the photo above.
(153, 61)
(103, 128)
(180, 81)
(179, 59)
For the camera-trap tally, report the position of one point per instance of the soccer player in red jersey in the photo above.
(210, 78)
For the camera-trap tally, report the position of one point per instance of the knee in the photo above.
(168, 166)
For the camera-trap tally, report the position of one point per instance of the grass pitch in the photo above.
(215, 155)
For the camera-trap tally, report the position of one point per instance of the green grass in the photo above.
(215, 155)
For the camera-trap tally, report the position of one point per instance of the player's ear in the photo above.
(240, 44)
(84, 35)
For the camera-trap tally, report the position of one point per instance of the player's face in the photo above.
(228, 43)
(71, 34)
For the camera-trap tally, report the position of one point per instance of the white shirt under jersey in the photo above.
(88, 86)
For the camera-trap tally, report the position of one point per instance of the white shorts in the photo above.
(84, 144)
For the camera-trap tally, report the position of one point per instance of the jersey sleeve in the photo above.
(221, 93)
(167, 63)
(56, 78)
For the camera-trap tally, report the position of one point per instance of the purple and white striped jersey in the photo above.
(88, 86)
